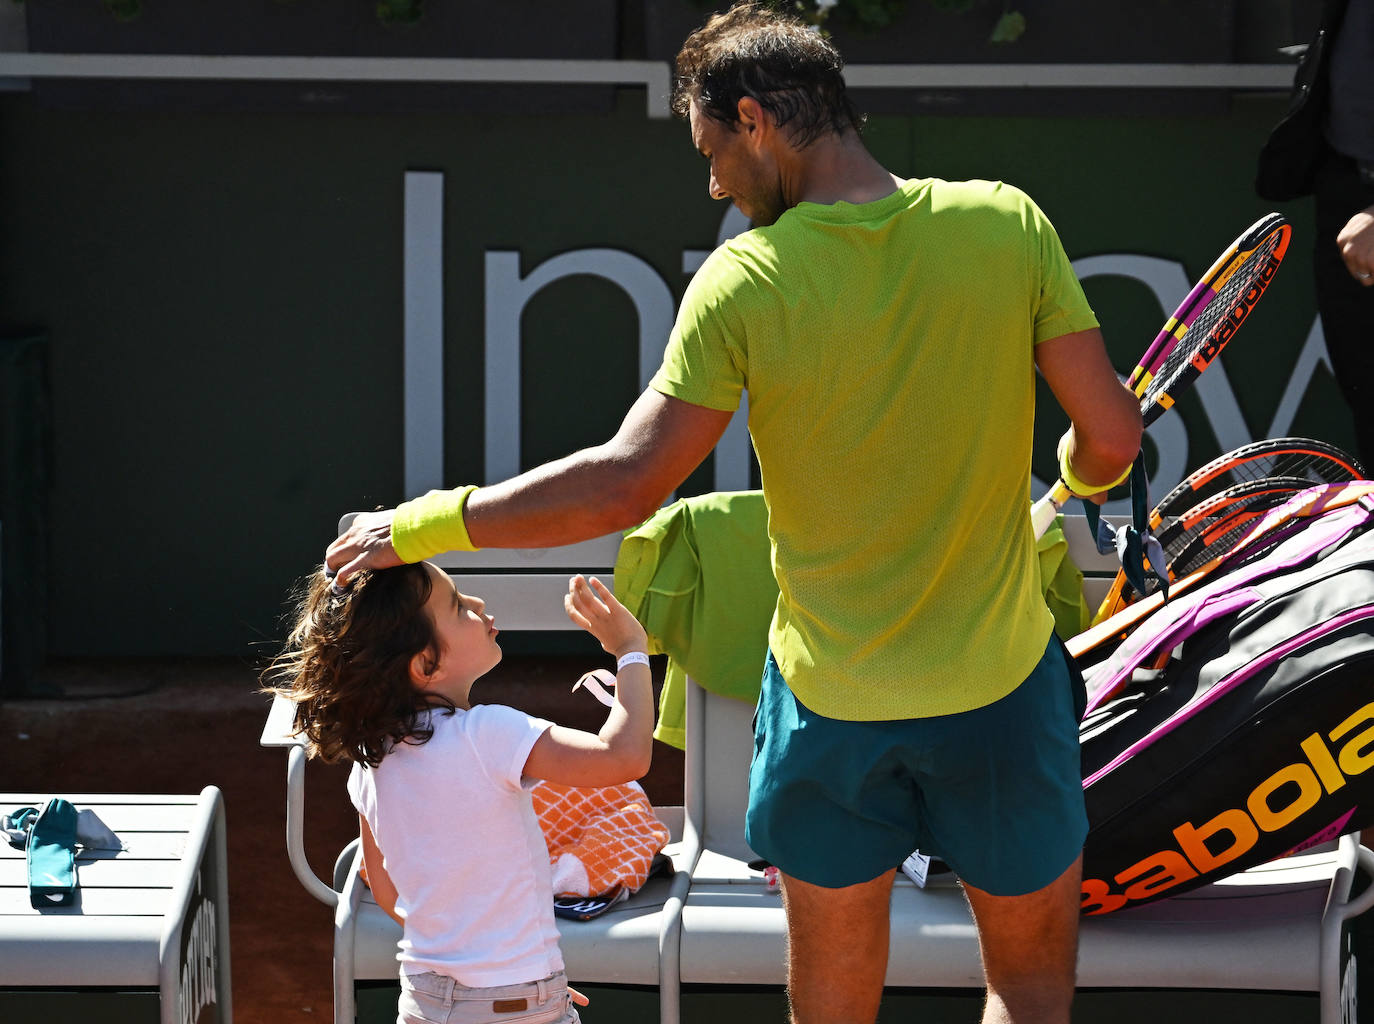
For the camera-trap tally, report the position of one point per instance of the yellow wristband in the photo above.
(423, 527)
(1076, 484)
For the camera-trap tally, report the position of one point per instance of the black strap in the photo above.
(1141, 555)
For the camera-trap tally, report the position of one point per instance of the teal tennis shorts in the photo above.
(996, 793)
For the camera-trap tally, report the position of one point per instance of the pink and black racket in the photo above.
(1194, 336)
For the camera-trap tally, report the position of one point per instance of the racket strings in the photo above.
(1225, 532)
(1316, 462)
(1190, 549)
(1204, 518)
(1196, 334)
(1215, 525)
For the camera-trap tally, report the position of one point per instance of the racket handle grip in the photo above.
(1043, 512)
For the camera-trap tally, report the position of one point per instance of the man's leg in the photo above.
(836, 949)
(1030, 950)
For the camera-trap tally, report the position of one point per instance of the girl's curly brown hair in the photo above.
(346, 664)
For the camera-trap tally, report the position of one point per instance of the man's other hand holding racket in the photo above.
(1106, 424)
(1190, 340)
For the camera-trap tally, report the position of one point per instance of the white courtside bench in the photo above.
(1279, 928)
(147, 938)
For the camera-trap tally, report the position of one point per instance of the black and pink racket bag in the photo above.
(1236, 723)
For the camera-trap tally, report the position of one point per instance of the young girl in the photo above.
(381, 672)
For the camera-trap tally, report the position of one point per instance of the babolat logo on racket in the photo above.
(1235, 316)
(1278, 802)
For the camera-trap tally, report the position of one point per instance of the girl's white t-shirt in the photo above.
(460, 840)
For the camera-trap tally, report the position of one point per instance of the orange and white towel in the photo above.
(601, 841)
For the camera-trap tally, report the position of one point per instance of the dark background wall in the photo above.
(221, 294)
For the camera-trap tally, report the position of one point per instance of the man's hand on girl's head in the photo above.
(366, 544)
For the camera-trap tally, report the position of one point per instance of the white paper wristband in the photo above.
(633, 658)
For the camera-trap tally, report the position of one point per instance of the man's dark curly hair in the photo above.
(775, 58)
(346, 664)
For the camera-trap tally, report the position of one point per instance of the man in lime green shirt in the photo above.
(926, 398)
(888, 333)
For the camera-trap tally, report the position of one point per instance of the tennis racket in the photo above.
(1262, 536)
(1208, 529)
(1197, 332)
(1279, 465)
(1211, 525)
(1303, 457)
(1212, 528)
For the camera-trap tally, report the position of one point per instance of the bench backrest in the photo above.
(527, 585)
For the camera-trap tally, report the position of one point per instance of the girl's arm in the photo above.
(622, 750)
(383, 891)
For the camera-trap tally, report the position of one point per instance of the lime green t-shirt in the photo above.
(888, 351)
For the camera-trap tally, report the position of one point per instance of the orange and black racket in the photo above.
(1206, 514)
(1304, 457)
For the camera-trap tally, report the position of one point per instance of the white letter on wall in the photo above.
(423, 372)
(507, 293)
(1313, 354)
(734, 448)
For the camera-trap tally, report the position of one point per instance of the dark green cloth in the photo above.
(50, 853)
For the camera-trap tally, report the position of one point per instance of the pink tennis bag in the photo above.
(1256, 736)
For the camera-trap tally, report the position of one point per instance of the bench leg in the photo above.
(670, 951)
(345, 931)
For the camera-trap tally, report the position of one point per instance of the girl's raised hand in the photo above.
(592, 606)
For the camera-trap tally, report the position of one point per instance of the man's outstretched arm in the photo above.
(595, 491)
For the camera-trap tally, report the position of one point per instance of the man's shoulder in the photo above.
(977, 193)
(733, 265)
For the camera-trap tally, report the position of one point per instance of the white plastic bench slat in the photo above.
(532, 602)
(277, 730)
(140, 901)
(1098, 569)
(1259, 940)
(122, 873)
(109, 802)
(620, 946)
(147, 818)
(734, 932)
(140, 845)
(127, 817)
(590, 555)
(1083, 549)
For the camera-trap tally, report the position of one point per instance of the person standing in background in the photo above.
(1324, 147)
